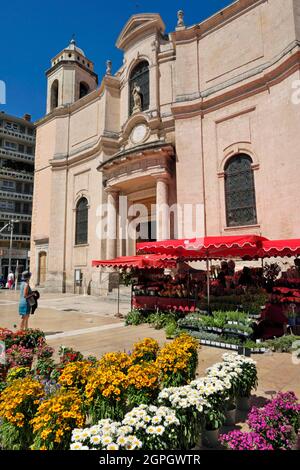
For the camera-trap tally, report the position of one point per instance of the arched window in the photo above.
(140, 76)
(81, 225)
(240, 191)
(84, 89)
(54, 95)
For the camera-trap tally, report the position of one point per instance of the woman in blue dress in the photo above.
(25, 295)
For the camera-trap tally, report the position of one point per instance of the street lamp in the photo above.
(11, 225)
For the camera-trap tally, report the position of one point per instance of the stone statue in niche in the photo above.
(137, 98)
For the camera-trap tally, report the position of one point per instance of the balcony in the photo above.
(17, 135)
(16, 155)
(18, 175)
(16, 237)
(12, 196)
(7, 216)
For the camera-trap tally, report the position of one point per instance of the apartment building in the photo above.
(17, 148)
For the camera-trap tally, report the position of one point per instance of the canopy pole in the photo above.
(118, 313)
(207, 281)
(188, 287)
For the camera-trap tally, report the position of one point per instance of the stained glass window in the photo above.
(240, 192)
(81, 232)
(140, 76)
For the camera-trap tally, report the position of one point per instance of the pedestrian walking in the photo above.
(26, 297)
(10, 280)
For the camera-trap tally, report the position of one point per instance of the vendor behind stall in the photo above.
(246, 279)
(223, 273)
(273, 321)
(294, 272)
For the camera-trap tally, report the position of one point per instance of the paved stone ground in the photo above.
(89, 324)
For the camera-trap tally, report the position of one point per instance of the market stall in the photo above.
(207, 248)
(162, 280)
(286, 288)
(158, 281)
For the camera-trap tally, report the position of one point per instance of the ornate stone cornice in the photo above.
(106, 144)
(262, 77)
(124, 156)
(217, 20)
(156, 165)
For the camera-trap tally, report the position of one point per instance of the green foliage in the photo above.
(135, 317)
(214, 419)
(69, 355)
(17, 373)
(29, 339)
(14, 438)
(283, 344)
(44, 367)
(238, 328)
(171, 329)
(160, 319)
(217, 320)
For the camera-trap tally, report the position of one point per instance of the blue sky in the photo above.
(34, 31)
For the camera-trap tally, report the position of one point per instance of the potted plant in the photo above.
(247, 382)
(214, 420)
(230, 412)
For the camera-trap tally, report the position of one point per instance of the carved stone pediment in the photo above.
(137, 26)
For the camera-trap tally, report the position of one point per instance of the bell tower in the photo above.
(70, 77)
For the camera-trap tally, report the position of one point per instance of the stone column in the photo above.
(112, 207)
(162, 209)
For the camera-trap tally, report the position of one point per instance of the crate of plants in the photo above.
(237, 329)
(215, 340)
(257, 347)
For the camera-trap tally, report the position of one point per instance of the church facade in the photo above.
(204, 120)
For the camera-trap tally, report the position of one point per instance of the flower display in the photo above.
(17, 373)
(105, 435)
(228, 372)
(19, 356)
(145, 350)
(190, 408)
(156, 427)
(105, 393)
(75, 375)
(238, 440)
(278, 421)
(28, 339)
(119, 360)
(18, 404)
(69, 355)
(55, 419)
(177, 361)
(248, 377)
(273, 427)
(143, 383)
(216, 391)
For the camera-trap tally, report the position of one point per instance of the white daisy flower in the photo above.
(106, 440)
(151, 430)
(156, 419)
(76, 446)
(122, 440)
(95, 439)
(112, 446)
(159, 430)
